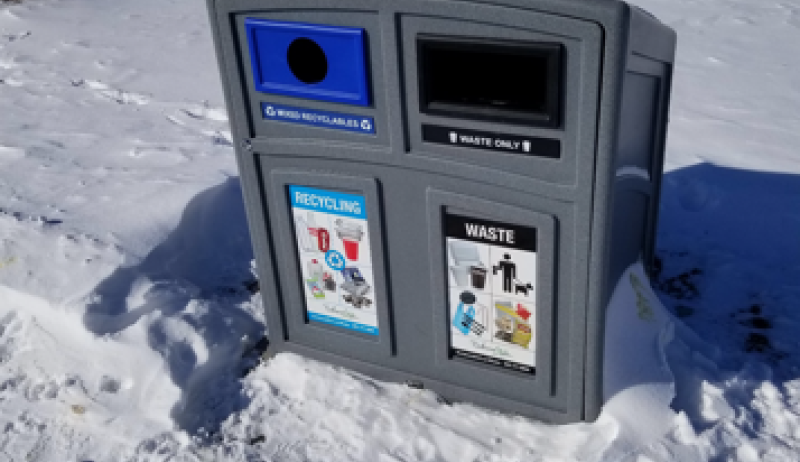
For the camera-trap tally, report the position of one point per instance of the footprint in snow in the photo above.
(14, 37)
(113, 94)
(11, 153)
(206, 121)
(6, 64)
(42, 391)
(206, 113)
(10, 330)
(163, 155)
(110, 385)
(162, 445)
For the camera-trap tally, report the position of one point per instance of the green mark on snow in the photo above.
(645, 311)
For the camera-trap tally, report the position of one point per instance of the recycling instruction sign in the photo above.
(333, 246)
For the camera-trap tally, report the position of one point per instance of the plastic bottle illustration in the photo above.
(313, 231)
(323, 240)
(316, 290)
(315, 270)
(302, 234)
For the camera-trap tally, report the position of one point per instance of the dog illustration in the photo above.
(523, 288)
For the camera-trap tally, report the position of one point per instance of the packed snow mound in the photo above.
(330, 414)
(58, 380)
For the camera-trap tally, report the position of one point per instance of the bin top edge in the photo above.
(598, 10)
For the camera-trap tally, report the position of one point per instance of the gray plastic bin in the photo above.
(473, 177)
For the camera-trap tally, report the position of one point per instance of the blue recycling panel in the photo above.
(345, 79)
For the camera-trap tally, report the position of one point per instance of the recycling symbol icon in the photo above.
(335, 260)
(270, 111)
(366, 125)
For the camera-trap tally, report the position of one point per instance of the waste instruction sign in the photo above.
(492, 291)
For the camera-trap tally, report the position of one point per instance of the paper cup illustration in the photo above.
(350, 233)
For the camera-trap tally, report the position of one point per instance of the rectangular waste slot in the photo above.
(491, 291)
(509, 81)
(335, 258)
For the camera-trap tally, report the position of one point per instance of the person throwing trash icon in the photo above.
(509, 269)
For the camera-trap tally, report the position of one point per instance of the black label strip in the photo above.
(491, 360)
(511, 144)
(490, 232)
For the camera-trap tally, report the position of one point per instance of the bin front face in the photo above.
(452, 222)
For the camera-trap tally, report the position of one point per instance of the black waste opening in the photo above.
(499, 81)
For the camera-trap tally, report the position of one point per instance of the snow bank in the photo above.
(114, 125)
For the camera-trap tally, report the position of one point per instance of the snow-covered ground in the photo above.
(127, 331)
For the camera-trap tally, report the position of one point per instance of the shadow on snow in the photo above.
(729, 245)
(728, 240)
(187, 290)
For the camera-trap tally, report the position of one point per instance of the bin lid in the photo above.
(478, 268)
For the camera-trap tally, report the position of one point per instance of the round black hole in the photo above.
(307, 61)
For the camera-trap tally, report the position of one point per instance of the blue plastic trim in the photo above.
(346, 80)
(329, 202)
(343, 323)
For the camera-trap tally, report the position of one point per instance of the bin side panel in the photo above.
(638, 170)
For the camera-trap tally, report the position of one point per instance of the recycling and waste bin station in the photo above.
(445, 193)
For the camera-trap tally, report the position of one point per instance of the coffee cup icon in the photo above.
(453, 137)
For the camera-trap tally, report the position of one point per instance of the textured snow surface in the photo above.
(127, 332)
